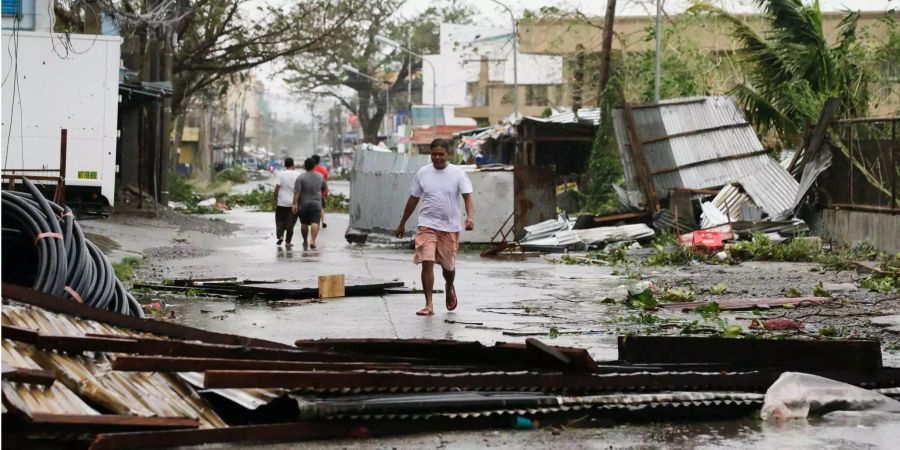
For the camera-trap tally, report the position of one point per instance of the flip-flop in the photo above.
(424, 312)
(451, 292)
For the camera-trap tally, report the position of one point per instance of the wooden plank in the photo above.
(19, 334)
(114, 420)
(182, 364)
(59, 305)
(698, 131)
(78, 344)
(546, 355)
(787, 354)
(168, 347)
(643, 174)
(621, 216)
(331, 286)
(708, 161)
(503, 354)
(675, 103)
(31, 376)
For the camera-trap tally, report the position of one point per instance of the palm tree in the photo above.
(791, 70)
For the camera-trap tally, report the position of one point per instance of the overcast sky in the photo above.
(491, 13)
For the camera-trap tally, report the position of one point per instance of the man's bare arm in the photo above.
(470, 212)
(407, 211)
(296, 204)
(275, 199)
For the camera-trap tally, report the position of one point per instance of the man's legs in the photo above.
(428, 283)
(279, 224)
(304, 231)
(447, 245)
(315, 232)
(289, 228)
(449, 290)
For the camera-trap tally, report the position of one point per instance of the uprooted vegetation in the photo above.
(125, 268)
(665, 251)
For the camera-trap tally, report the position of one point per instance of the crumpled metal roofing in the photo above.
(694, 160)
(585, 115)
(90, 375)
(610, 402)
(249, 398)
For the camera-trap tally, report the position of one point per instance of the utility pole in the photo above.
(234, 139)
(515, 50)
(169, 161)
(156, 130)
(409, 100)
(315, 133)
(658, 50)
(607, 47)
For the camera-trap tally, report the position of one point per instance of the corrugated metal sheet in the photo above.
(585, 115)
(90, 376)
(380, 186)
(248, 398)
(764, 180)
(730, 200)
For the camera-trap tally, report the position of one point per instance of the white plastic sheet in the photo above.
(797, 395)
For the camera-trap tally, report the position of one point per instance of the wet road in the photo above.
(499, 301)
(491, 292)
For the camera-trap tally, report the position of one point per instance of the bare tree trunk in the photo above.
(607, 46)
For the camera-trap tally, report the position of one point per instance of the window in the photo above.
(12, 8)
(536, 95)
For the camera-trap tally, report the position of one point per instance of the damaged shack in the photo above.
(697, 146)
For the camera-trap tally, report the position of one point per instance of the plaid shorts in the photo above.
(436, 246)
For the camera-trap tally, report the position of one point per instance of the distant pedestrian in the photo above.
(308, 191)
(324, 172)
(439, 185)
(285, 219)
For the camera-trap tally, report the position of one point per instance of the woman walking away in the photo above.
(307, 204)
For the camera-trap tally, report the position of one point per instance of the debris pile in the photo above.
(77, 375)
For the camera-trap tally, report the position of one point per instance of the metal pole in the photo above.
(60, 194)
(387, 108)
(515, 58)
(658, 49)
(409, 101)
(433, 98)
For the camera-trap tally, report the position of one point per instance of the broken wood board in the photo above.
(277, 290)
(331, 286)
(749, 303)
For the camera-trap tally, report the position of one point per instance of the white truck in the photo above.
(57, 81)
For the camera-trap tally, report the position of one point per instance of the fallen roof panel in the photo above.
(705, 142)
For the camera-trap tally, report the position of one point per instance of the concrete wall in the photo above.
(852, 227)
(379, 188)
(459, 62)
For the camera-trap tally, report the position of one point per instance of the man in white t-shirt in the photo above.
(439, 185)
(285, 219)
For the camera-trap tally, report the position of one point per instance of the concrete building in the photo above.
(568, 37)
(475, 76)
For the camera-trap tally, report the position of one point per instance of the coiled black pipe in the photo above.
(68, 264)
